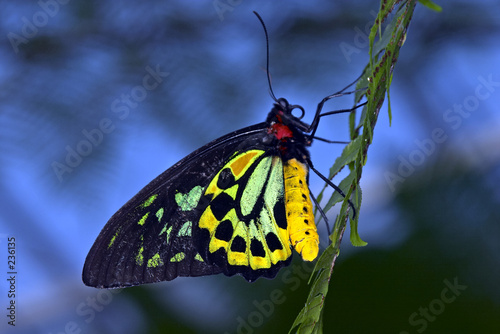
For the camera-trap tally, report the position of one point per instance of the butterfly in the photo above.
(237, 205)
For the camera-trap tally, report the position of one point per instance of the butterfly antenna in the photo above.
(267, 58)
(352, 83)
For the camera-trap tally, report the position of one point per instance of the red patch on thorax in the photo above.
(281, 131)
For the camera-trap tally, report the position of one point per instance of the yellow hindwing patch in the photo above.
(241, 217)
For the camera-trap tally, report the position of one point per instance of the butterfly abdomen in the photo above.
(299, 211)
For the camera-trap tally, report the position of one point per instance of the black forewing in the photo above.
(130, 238)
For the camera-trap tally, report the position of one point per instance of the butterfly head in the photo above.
(288, 130)
(282, 115)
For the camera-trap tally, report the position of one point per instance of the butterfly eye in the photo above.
(283, 103)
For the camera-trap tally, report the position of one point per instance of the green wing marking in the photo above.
(155, 261)
(185, 230)
(189, 201)
(149, 201)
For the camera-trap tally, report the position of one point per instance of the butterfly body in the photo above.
(301, 227)
(238, 205)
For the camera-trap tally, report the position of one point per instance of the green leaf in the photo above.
(348, 155)
(431, 5)
(354, 236)
(336, 197)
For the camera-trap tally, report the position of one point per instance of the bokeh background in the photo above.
(431, 197)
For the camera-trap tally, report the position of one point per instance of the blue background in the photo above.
(64, 66)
